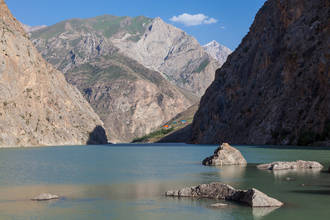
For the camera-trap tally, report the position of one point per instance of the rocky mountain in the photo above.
(169, 50)
(30, 29)
(131, 99)
(275, 88)
(37, 106)
(217, 51)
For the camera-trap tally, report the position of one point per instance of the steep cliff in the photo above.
(131, 99)
(275, 88)
(37, 106)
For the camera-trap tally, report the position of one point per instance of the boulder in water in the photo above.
(225, 155)
(45, 197)
(217, 190)
(299, 164)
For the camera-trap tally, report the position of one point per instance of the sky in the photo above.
(226, 21)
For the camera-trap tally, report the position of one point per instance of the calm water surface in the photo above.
(127, 182)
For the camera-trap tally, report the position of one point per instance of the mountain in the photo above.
(217, 51)
(131, 99)
(171, 51)
(30, 29)
(275, 87)
(37, 106)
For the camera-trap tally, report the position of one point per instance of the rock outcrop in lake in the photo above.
(37, 106)
(225, 155)
(274, 89)
(295, 165)
(45, 197)
(221, 191)
(130, 99)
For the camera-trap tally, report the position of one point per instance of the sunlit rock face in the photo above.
(130, 99)
(217, 51)
(37, 105)
(274, 89)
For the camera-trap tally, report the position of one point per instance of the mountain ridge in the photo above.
(131, 99)
(37, 106)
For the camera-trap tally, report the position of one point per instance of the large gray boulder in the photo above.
(294, 165)
(217, 190)
(225, 155)
(255, 198)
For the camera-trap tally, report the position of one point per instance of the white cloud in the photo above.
(193, 20)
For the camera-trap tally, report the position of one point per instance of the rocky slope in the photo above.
(217, 51)
(274, 89)
(175, 124)
(171, 51)
(37, 106)
(130, 99)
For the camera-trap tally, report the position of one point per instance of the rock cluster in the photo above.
(221, 191)
(299, 164)
(225, 155)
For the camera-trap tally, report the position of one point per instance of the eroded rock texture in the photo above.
(37, 105)
(221, 191)
(275, 88)
(225, 155)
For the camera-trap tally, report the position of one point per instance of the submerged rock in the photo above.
(45, 197)
(218, 205)
(225, 155)
(217, 190)
(282, 165)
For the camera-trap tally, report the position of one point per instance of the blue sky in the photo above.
(226, 21)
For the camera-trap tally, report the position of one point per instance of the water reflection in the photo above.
(259, 213)
(231, 172)
(283, 174)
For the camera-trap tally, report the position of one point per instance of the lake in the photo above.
(128, 182)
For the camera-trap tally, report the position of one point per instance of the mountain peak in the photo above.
(213, 43)
(11, 22)
(217, 51)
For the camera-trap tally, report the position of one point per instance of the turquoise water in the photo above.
(128, 181)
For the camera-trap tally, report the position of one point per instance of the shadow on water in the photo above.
(97, 136)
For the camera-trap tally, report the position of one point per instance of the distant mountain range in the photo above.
(137, 73)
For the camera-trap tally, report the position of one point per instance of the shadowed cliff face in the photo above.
(37, 106)
(275, 88)
(97, 136)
